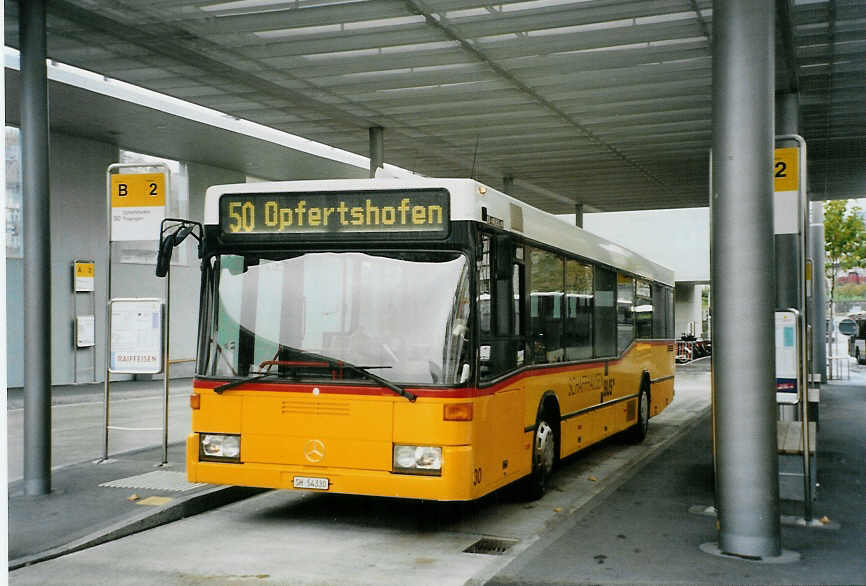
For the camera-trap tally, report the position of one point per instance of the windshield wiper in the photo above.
(383, 381)
(326, 361)
(256, 376)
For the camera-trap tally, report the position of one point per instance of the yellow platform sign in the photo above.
(84, 275)
(786, 169)
(137, 205)
(138, 190)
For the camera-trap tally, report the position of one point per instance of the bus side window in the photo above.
(643, 309)
(578, 306)
(546, 294)
(604, 312)
(624, 311)
(659, 311)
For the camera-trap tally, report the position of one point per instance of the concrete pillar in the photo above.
(578, 215)
(37, 249)
(377, 149)
(818, 305)
(742, 275)
(788, 292)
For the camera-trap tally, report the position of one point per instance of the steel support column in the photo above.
(818, 306)
(508, 185)
(743, 271)
(37, 249)
(578, 215)
(788, 245)
(377, 149)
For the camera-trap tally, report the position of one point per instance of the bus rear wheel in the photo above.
(638, 431)
(543, 458)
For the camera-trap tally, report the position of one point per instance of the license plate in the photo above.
(308, 482)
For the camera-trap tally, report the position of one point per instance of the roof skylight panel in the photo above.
(384, 22)
(306, 31)
(239, 7)
(534, 4)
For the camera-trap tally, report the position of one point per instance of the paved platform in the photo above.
(643, 532)
(92, 503)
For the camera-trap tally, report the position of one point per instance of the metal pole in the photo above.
(508, 184)
(804, 335)
(743, 269)
(74, 329)
(819, 300)
(37, 249)
(377, 149)
(106, 415)
(167, 366)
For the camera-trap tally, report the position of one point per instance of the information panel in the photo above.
(136, 336)
(786, 352)
(424, 212)
(85, 331)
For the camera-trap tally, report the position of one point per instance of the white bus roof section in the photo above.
(468, 197)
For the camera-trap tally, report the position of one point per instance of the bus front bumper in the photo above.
(455, 483)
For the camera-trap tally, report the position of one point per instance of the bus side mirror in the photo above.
(173, 231)
(504, 257)
(163, 258)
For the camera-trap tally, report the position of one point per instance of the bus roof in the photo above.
(470, 200)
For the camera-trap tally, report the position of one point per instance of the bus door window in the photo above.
(604, 313)
(624, 311)
(518, 286)
(485, 286)
(545, 306)
(643, 309)
(500, 280)
(578, 310)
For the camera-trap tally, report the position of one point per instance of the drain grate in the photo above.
(158, 480)
(491, 546)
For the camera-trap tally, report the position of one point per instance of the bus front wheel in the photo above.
(639, 430)
(543, 458)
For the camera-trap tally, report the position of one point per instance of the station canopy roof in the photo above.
(606, 103)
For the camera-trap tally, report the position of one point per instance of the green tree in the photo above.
(844, 238)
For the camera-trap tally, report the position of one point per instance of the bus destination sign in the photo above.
(424, 212)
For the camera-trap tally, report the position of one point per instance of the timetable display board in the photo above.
(421, 213)
(136, 331)
(786, 352)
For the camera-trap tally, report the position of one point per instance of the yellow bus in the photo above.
(425, 338)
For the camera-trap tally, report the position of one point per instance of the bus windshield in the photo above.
(404, 315)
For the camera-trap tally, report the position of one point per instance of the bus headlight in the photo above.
(424, 460)
(220, 447)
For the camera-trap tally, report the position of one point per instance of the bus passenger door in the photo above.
(500, 283)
